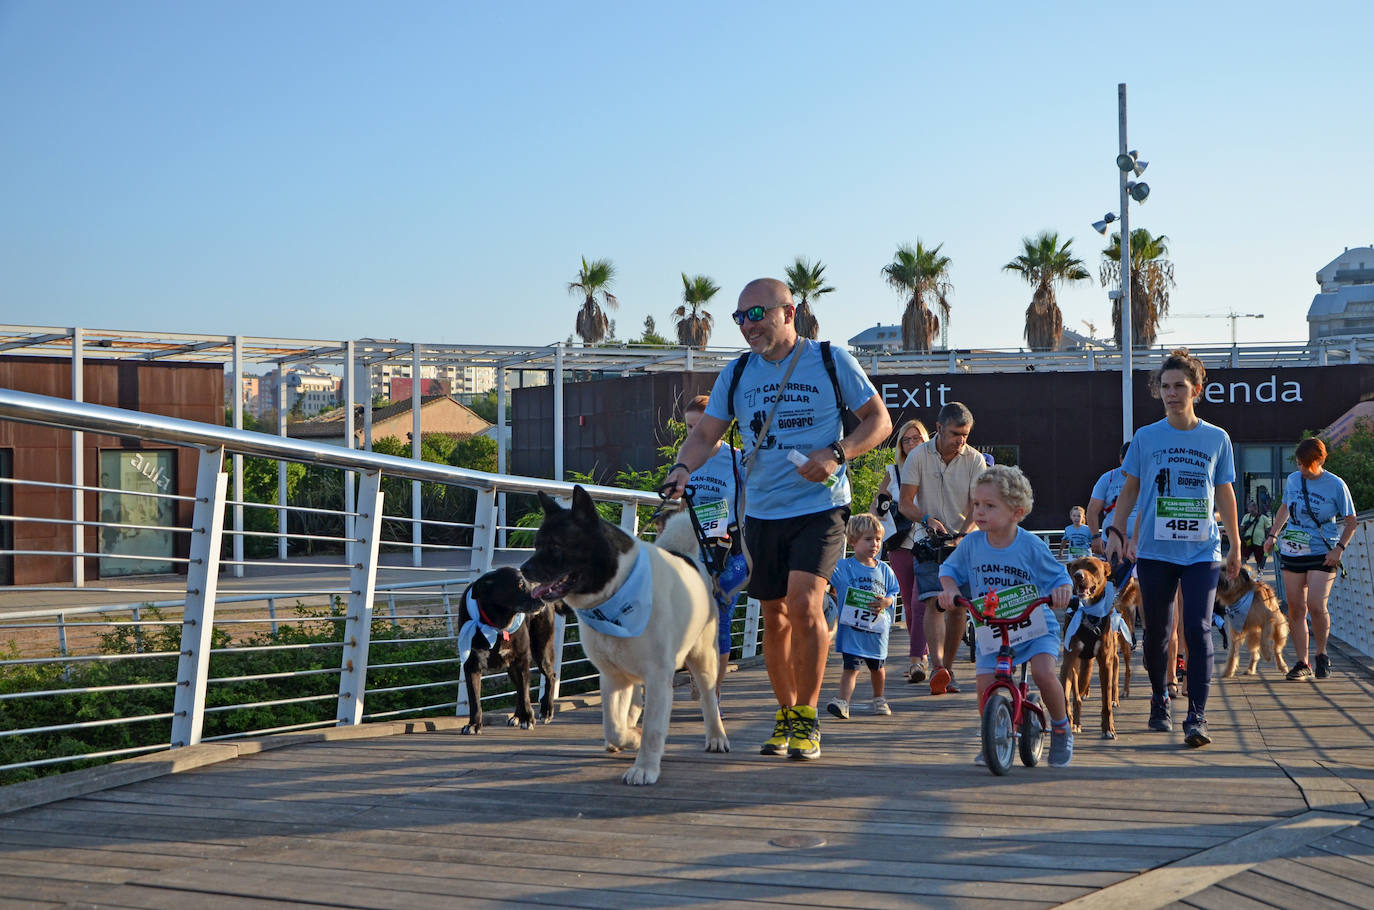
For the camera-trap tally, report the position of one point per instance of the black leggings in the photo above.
(1158, 581)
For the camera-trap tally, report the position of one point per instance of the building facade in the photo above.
(1344, 305)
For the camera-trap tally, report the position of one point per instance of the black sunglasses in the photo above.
(754, 313)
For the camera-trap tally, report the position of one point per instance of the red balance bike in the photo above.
(1009, 712)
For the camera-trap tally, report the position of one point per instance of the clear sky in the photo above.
(433, 171)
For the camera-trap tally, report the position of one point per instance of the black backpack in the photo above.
(848, 419)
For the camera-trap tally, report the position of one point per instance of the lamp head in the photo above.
(1139, 191)
(1140, 167)
(1125, 162)
(1101, 226)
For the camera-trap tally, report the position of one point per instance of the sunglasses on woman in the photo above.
(754, 313)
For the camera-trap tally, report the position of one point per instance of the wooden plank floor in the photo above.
(1276, 813)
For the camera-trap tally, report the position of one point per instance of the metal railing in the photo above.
(125, 676)
(1352, 596)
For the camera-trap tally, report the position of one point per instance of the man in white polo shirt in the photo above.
(937, 487)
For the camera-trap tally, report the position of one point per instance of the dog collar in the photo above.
(625, 614)
(476, 624)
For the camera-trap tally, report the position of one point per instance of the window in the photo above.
(131, 481)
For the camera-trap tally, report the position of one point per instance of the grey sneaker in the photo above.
(980, 759)
(917, 671)
(1160, 720)
(838, 707)
(1323, 666)
(1195, 732)
(880, 706)
(1061, 748)
(1300, 670)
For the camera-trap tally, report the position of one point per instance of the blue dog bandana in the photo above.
(626, 613)
(474, 625)
(1104, 607)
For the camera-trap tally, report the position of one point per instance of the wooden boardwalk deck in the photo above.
(1278, 812)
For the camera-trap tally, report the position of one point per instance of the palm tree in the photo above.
(1151, 278)
(1043, 263)
(593, 282)
(918, 273)
(806, 282)
(694, 324)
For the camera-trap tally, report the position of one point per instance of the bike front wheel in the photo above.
(999, 733)
(1032, 736)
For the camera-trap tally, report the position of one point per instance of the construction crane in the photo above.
(1232, 315)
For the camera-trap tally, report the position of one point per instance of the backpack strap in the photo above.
(735, 374)
(847, 417)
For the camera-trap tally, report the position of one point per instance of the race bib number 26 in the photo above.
(1182, 519)
(714, 517)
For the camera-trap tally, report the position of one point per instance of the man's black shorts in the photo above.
(808, 543)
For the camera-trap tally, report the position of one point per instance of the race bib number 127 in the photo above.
(860, 612)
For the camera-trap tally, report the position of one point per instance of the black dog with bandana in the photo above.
(504, 628)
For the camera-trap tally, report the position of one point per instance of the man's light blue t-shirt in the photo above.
(807, 419)
(1331, 501)
(1027, 560)
(1179, 471)
(879, 580)
(1107, 489)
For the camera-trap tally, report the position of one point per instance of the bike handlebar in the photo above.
(994, 621)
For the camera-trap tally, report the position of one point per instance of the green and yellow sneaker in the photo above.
(806, 734)
(782, 734)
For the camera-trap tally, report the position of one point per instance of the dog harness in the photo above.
(476, 623)
(625, 614)
(1106, 607)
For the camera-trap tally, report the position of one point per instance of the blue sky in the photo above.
(434, 171)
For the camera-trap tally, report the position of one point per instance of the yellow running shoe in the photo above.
(782, 734)
(806, 734)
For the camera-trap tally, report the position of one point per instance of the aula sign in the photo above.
(1268, 391)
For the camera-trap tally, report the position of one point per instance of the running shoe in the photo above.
(1300, 670)
(1195, 731)
(917, 672)
(880, 706)
(940, 680)
(1160, 721)
(778, 743)
(1181, 669)
(951, 687)
(1061, 748)
(805, 743)
(838, 707)
(980, 759)
(1323, 666)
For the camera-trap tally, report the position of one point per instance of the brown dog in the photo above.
(1262, 627)
(1091, 635)
(1128, 605)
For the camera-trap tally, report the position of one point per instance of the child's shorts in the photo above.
(1020, 653)
(852, 661)
(727, 615)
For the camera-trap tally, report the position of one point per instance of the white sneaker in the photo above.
(980, 759)
(838, 707)
(880, 706)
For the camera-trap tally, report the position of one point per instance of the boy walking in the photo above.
(866, 591)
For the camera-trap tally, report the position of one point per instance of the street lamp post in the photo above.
(1127, 403)
(1128, 163)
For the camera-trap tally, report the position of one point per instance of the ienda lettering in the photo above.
(1266, 392)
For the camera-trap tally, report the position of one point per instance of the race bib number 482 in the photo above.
(860, 611)
(1010, 602)
(1182, 519)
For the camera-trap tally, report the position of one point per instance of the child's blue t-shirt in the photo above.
(1107, 489)
(1331, 502)
(715, 482)
(1027, 560)
(878, 580)
(1078, 537)
(1179, 471)
(807, 419)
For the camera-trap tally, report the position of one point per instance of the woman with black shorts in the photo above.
(1314, 499)
(1179, 469)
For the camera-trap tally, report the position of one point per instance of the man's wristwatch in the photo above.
(839, 452)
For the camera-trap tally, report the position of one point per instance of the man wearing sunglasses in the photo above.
(795, 519)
